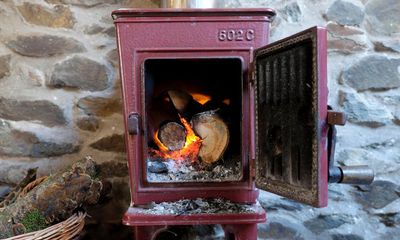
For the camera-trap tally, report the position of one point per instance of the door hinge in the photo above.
(252, 74)
(336, 118)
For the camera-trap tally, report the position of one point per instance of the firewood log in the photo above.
(184, 103)
(12, 196)
(172, 135)
(214, 134)
(161, 110)
(54, 200)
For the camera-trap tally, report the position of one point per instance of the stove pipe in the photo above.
(192, 3)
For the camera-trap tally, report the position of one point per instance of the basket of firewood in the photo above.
(50, 207)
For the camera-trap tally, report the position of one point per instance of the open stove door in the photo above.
(291, 109)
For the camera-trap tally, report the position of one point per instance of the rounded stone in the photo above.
(363, 112)
(346, 237)
(324, 222)
(373, 72)
(345, 13)
(18, 143)
(377, 195)
(44, 45)
(383, 16)
(43, 111)
(291, 12)
(88, 123)
(80, 72)
(58, 16)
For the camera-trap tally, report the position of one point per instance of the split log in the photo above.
(54, 200)
(184, 103)
(172, 135)
(214, 134)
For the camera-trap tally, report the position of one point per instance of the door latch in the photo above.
(134, 124)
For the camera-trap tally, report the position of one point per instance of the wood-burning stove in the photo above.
(268, 104)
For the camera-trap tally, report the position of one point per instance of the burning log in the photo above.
(161, 110)
(207, 138)
(184, 103)
(189, 152)
(53, 200)
(172, 135)
(214, 134)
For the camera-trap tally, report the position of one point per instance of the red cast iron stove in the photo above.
(275, 97)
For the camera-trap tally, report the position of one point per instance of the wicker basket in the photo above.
(66, 230)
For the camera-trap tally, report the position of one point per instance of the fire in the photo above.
(201, 98)
(159, 144)
(190, 150)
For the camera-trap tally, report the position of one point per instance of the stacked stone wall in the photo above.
(60, 100)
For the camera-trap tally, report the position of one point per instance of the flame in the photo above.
(201, 98)
(159, 144)
(190, 150)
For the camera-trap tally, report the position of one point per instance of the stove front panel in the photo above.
(172, 35)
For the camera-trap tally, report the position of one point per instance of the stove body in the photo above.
(277, 94)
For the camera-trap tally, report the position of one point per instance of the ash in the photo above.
(198, 206)
(173, 171)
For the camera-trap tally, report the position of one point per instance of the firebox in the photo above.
(213, 111)
(193, 131)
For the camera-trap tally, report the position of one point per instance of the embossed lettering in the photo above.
(250, 35)
(236, 35)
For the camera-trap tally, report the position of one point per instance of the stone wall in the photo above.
(60, 100)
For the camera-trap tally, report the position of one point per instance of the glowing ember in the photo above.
(227, 101)
(190, 150)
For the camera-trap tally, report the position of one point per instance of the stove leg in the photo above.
(240, 231)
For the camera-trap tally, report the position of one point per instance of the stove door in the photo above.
(291, 108)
